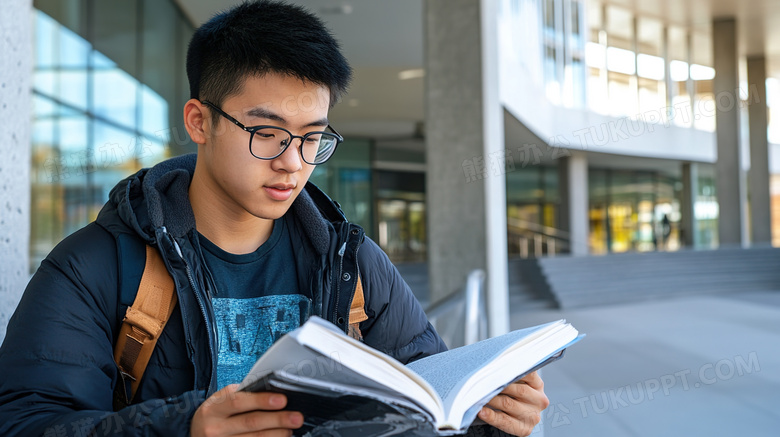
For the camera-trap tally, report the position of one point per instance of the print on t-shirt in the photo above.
(248, 327)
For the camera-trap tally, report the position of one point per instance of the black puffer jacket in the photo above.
(57, 372)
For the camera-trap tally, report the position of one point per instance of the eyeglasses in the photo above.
(269, 142)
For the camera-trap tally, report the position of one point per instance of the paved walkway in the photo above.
(695, 366)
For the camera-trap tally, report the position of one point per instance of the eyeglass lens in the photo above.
(269, 142)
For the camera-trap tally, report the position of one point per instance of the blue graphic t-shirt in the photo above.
(256, 301)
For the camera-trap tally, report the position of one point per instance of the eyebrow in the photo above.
(259, 112)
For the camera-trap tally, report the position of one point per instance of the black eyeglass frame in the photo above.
(253, 129)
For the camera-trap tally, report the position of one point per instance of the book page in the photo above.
(372, 364)
(447, 371)
(513, 362)
(319, 350)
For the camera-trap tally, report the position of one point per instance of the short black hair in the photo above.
(259, 37)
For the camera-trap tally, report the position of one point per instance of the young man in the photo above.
(253, 251)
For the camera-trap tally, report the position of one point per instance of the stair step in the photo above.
(615, 278)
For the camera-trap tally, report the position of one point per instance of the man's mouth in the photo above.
(279, 191)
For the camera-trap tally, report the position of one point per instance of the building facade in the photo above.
(480, 130)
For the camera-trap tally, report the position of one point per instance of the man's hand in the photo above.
(518, 408)
(230, 412)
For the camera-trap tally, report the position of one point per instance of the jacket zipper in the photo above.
(342, 250)
(201, 304)
(351, 297)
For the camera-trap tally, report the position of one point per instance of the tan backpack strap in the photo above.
(145, 320)
(357, 312)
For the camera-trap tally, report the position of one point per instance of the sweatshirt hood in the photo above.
(158, 197)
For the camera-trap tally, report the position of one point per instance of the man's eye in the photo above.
(264, 135)
(313, 138)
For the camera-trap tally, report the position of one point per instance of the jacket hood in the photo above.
(158, 197)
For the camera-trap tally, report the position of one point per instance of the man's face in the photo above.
(244, 184)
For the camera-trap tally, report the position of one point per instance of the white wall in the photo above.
(581, 129)
(15, 72)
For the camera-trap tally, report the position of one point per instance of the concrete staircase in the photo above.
(616, 278)
(528, 289)
(573, 282)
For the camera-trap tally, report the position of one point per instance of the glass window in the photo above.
(347, 178)
(651, 67)
(179, 140)
(45, 173)
(621, 62)
(552, 42)
(667, 212)
(702, 74)
(115, 32)
(533, 205)
(595, 10)
(151, 151)
(622, 211)
(620, 27)
(154, 113)
(678, 71)
(159, 46)
(158, 65)
(73, 60)
(400, 204)
(69, 13)
(114, 92)
(114, 147)
(598, 195)
(45, 75)
(703, 102)
(701, 49)
(114, 158)
(72, 132)
(706, 209)
(574, 68)
(596, 60)
(633, 211)
(401, 229)
(94, 121)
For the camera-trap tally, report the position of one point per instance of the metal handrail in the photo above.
(555, 240)
(474, 309)
(538, 229)
(474, 286)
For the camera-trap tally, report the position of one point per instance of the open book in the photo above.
(345, 388)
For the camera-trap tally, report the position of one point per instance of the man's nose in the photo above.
(290, 159)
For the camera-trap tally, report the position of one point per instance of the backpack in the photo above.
(146, 318)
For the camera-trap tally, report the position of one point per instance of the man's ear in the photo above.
(196, 122)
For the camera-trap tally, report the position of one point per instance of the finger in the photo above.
(507, 423)
(511, 406)
(517, 390)
(268, 433)
(527, 394)
(262, 421)
(534, 380)
(229, 401)
(519, 409)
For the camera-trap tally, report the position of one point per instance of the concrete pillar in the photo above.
(466, 181)
(758, 176)
(690, 190)
(730, 184)
(15, 109)
(573, 186)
